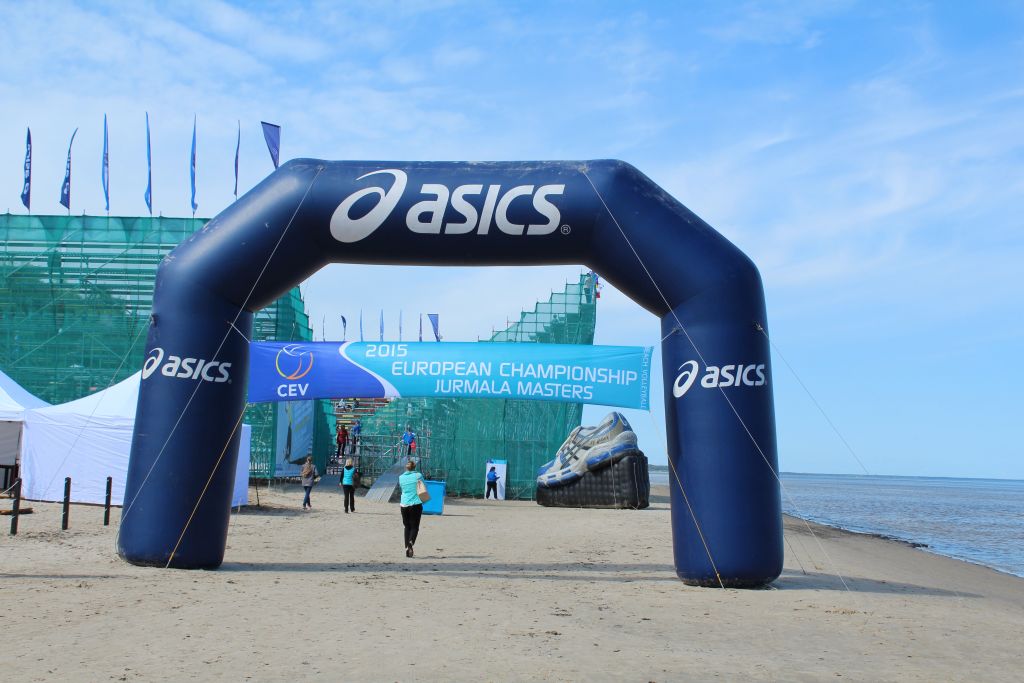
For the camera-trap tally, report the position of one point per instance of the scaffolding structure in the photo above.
(76, 294)
(455, 437)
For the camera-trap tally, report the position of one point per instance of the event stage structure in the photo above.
(76, 294)
(455, 437)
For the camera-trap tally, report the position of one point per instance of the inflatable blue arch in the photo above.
(726, 512)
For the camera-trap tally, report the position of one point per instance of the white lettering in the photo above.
(488, 210)
(435, 207)
(185, 368)
(427, 216)
(501, 214)
(546, 209)
(719, 377)
(464, 208)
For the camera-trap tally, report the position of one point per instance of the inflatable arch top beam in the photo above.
(726, 513)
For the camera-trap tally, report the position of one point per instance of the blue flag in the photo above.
(26, 189)
(192, 168)
(344, 328)
(65, 189)
(272, 134)
(382, 324)
(238, 146)
(106, 166)
(435, 323)
(149, 169)
(360, 324)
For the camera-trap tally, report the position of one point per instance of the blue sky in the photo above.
(868, 157)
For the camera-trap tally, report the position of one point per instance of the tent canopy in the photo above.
(15, 400)
(90, 439)
(112, 406)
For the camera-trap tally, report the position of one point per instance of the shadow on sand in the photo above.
(819, 581)
(583, 571)
(442, 566)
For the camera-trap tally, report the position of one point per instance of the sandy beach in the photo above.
(498, 592)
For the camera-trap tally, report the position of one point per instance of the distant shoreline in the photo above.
(665, 469)
(660, 494)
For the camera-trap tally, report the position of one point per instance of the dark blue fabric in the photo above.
(105, 171)
(65, 188)
(272, 134)
(192, 167)
(26, 188)
(603, 214)
(149, 169)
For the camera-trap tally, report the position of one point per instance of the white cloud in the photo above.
(776, 22)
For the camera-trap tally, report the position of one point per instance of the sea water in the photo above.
(978, 520)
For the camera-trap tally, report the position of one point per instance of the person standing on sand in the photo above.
(308, 475)
(348, 485)
(412, 508)
(492, 483)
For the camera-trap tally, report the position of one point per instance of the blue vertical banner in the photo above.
(105, 175)
(192, 167)
(344, 328)
(238, 146)
(382, 324)
(436, 324)
(26, 188)
(360, 324)
(421, 327)
(149, 169)
(65, 189)
(399, 325)
(272, 134)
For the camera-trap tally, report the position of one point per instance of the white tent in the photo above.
(14, 401)
(89, 440)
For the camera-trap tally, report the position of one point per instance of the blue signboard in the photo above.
(298, 371)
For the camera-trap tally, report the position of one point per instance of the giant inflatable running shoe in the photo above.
(588, 449)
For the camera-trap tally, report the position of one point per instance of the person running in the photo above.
(409, 439)
(492, 483)
(348, 485)
(308, 475)
(412, 508)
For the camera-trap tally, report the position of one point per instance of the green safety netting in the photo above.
(455, 437)
(75, 299)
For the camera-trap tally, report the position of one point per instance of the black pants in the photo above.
(491, 486)
(411, 519)
(350, 497)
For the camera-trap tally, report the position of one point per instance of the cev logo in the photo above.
(427, 216)
(297, 362)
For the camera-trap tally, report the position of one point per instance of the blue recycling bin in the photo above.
(434, 506)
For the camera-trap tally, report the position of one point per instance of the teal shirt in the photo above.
(347, 475)
(408, 483)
